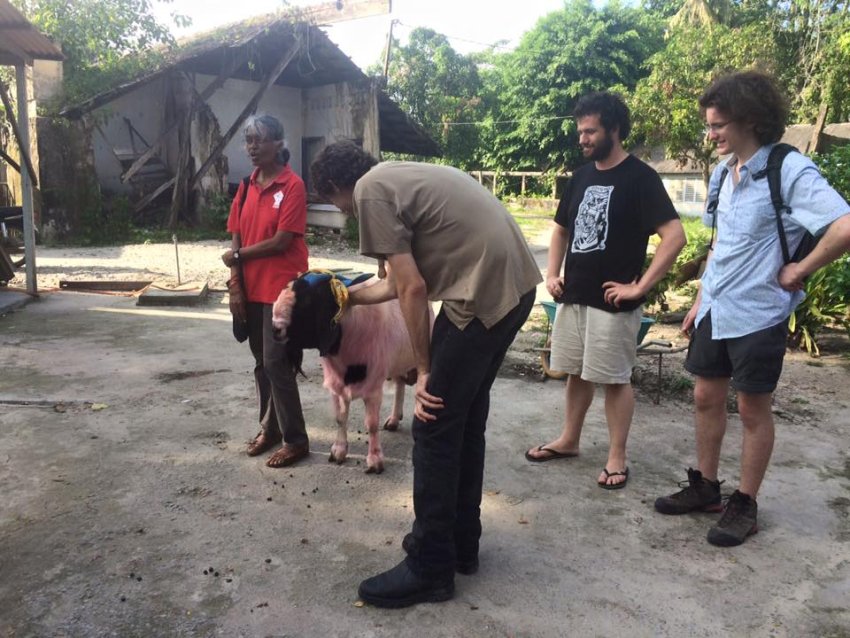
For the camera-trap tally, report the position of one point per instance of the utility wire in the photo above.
(534, 119)
(456, 38)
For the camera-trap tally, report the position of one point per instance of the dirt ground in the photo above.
(130, 509)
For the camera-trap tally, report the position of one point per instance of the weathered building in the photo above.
(175, 134)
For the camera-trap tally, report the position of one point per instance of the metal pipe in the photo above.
(177, 257)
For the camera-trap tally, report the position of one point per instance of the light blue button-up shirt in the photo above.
(741, 282)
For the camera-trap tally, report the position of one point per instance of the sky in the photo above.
(470, 25)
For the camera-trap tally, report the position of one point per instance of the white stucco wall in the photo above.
(145, 108)
(687, 193)
(329, 109)
(282, 102)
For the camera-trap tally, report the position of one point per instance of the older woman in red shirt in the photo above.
(268, 251)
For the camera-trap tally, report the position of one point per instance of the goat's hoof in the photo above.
(375, 469)
(390, 425)
(337, 460)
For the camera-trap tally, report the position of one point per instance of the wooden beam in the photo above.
(814, 142)
(108, 144)
(28, 179)
(9, 160)
(270, 79)
(10, 117)
(226, 71)
(343, 10)
(147, 199)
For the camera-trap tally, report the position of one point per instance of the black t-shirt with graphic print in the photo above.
(609, 216)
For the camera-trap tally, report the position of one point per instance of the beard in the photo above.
(601, 150)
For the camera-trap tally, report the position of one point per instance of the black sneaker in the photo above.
(400, 587)
(699, 495)
(738, 521)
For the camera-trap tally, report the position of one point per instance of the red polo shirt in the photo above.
(281, 205)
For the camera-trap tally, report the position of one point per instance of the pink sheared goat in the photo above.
(361, 347)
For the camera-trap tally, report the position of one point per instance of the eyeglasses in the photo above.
(250, 140)
(716, 127)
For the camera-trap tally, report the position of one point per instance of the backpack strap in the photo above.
(711, 207)
(773, 172)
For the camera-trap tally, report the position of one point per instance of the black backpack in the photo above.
(773, 172)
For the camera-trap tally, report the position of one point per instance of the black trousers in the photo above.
(277, 387)
(448, 453)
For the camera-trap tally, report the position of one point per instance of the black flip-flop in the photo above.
(553, 454)
(614, 486)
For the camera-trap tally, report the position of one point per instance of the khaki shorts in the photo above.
(599, 346)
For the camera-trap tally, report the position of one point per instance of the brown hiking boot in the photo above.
(738, 521)
(699, 495)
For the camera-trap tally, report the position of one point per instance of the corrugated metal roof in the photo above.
(321, 63)
(20, 41)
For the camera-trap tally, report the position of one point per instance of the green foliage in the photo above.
(351, 232)
(664, 103)
(105, 222)
(215, 212)
(827, 302)
(835, 167)
(97, 35)
(439, 88)
(827, 299)
(531, 91)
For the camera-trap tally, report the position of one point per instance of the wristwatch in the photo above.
(236, 255)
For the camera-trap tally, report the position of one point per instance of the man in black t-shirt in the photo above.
(605, 218)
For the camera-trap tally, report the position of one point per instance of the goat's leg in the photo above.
(375, 455)
(339, 449)
(396, 415)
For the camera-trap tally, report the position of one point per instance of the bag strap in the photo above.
(246, 181)
(773, 172)
(711, 208)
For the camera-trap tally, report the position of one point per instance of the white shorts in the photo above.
(599, 346)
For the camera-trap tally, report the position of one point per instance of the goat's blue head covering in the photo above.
(350, 279)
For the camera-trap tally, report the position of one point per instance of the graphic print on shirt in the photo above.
(591, 228)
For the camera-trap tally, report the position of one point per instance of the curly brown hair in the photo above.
(339, 166)
(749, 97)
(611, 109)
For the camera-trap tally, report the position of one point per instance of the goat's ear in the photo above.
(295, 356)
(330, 336)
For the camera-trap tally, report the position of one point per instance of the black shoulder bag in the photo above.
(240, 328)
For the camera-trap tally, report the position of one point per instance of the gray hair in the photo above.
(269, 128)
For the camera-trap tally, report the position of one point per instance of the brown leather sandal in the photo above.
(262, 442)
(288, 454)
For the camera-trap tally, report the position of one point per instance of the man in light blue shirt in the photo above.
(739, 322)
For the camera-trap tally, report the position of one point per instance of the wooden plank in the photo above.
(147, 199)
(226, 71)
(179, 196)
(121, 286)
(10, 161)
(814, 142)
(108, 144)
(270, 79)
(10, 117)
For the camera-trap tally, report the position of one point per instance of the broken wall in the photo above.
(68, 181)
(282, 102)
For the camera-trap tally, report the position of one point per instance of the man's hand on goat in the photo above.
(424, 400)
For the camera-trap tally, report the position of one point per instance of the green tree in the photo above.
(96, 37)
(439, 88)
(664, 104)
(532, 90)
